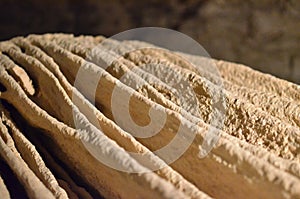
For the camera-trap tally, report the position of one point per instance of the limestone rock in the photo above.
(51, 121)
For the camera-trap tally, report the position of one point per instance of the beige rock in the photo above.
(3, 190)
(256, 156)
(236, 123)
(31, 156)
(114, 132)
(34, 187)
(63, 57)
(88, 165)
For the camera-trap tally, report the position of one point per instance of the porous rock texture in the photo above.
(44, 152)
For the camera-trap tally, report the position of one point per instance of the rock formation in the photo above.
(51, 121)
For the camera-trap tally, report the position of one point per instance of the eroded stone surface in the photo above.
(257, 155)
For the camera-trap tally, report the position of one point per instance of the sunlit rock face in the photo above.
(67, 131)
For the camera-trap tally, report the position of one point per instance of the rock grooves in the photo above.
(48, 125)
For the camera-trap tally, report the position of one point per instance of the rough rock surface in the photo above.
(43, 150)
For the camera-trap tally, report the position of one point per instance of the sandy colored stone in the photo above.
(33, 186)
(122, 138)
(66, 134)
(38, 75)
(237, 122)
(3, 190)
(33, 159)
(63, 57)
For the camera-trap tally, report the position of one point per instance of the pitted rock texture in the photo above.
(43, 154)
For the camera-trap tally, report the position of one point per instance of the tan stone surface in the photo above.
(257, 155)
(3, 190)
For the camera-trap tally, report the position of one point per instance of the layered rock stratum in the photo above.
(45, 153)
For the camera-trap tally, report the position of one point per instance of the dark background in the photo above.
(263, 34)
